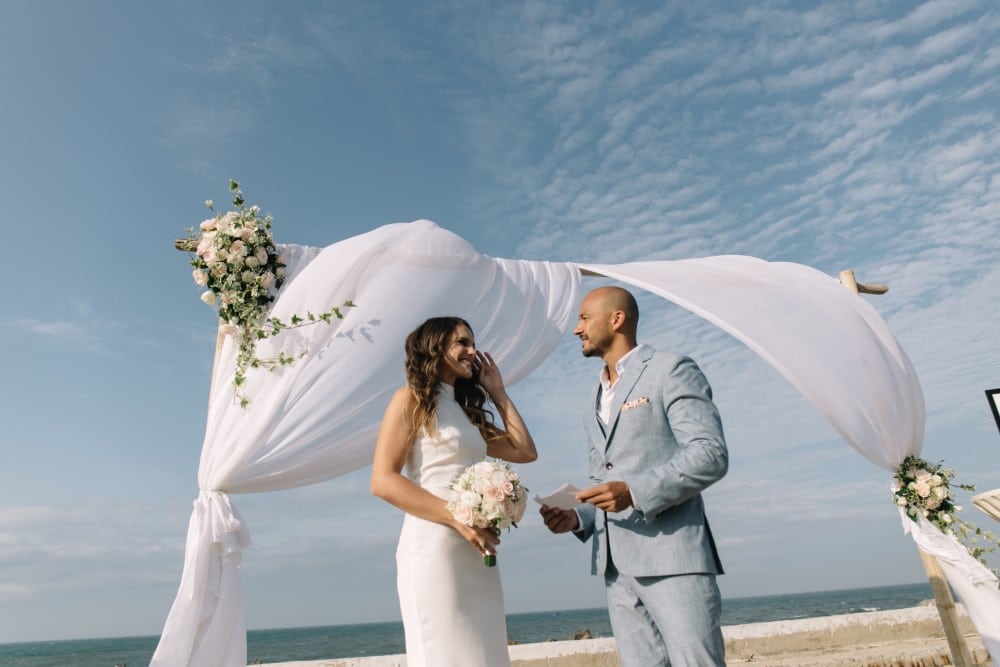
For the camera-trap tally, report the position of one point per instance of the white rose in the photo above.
(470, 498)
(252, 262)
(901, 501)
(218, 269)
(940, 492)
(280, 272)
(248, 277)
(492, 508)
(933, 503)
(200, 277)
(923, 476)
(946, 518)
(223, 224)
(208, 297)
(896, 485)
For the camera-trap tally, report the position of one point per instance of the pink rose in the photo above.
(206, 243)
(207, 225)
(463, 514)
(200, 277)
(238, 248)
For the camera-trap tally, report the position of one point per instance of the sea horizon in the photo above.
(509, 614)
(318, 642)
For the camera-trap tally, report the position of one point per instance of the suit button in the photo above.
(609, 465)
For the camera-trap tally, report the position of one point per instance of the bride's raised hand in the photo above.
(488, 375)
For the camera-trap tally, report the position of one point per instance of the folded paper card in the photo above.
(563, 498)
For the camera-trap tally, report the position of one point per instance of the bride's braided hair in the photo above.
(425, 348)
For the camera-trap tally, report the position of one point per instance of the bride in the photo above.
(435, 427)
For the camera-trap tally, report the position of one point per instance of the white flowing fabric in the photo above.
(318, 418)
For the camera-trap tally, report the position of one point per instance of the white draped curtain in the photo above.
(318, 418)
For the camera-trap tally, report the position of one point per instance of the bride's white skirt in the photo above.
(452, 604)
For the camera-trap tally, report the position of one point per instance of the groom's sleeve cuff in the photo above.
(579, 524)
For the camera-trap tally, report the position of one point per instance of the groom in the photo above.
(655, 443)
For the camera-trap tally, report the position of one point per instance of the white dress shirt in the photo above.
(608, 388)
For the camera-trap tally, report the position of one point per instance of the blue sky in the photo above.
(840, 135)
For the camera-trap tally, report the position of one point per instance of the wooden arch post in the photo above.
(960, 656)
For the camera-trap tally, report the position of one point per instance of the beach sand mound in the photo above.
(896, 638)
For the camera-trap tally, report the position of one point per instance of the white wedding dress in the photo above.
(452, 604)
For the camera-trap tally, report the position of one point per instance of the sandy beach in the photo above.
(896, 638)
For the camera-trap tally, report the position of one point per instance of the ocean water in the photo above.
(341, 641)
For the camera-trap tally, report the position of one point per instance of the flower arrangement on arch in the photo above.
(236, 260)
(923, 489)
(488, 494)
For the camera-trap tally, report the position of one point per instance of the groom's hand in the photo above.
(610, 496)
(559, 521)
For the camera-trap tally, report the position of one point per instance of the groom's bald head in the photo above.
(615, 299)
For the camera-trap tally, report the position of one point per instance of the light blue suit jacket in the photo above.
(665, 441)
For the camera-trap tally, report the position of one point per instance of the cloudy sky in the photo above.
(840, 135)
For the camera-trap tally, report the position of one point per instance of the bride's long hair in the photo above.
(425, 348)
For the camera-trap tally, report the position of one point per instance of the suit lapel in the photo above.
(595, 406)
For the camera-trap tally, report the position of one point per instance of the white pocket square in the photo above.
(642, 400)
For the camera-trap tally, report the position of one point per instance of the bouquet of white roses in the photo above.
(236, 259)
(488, 494)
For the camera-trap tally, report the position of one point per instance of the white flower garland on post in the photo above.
(923, 489)
(236, 260)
